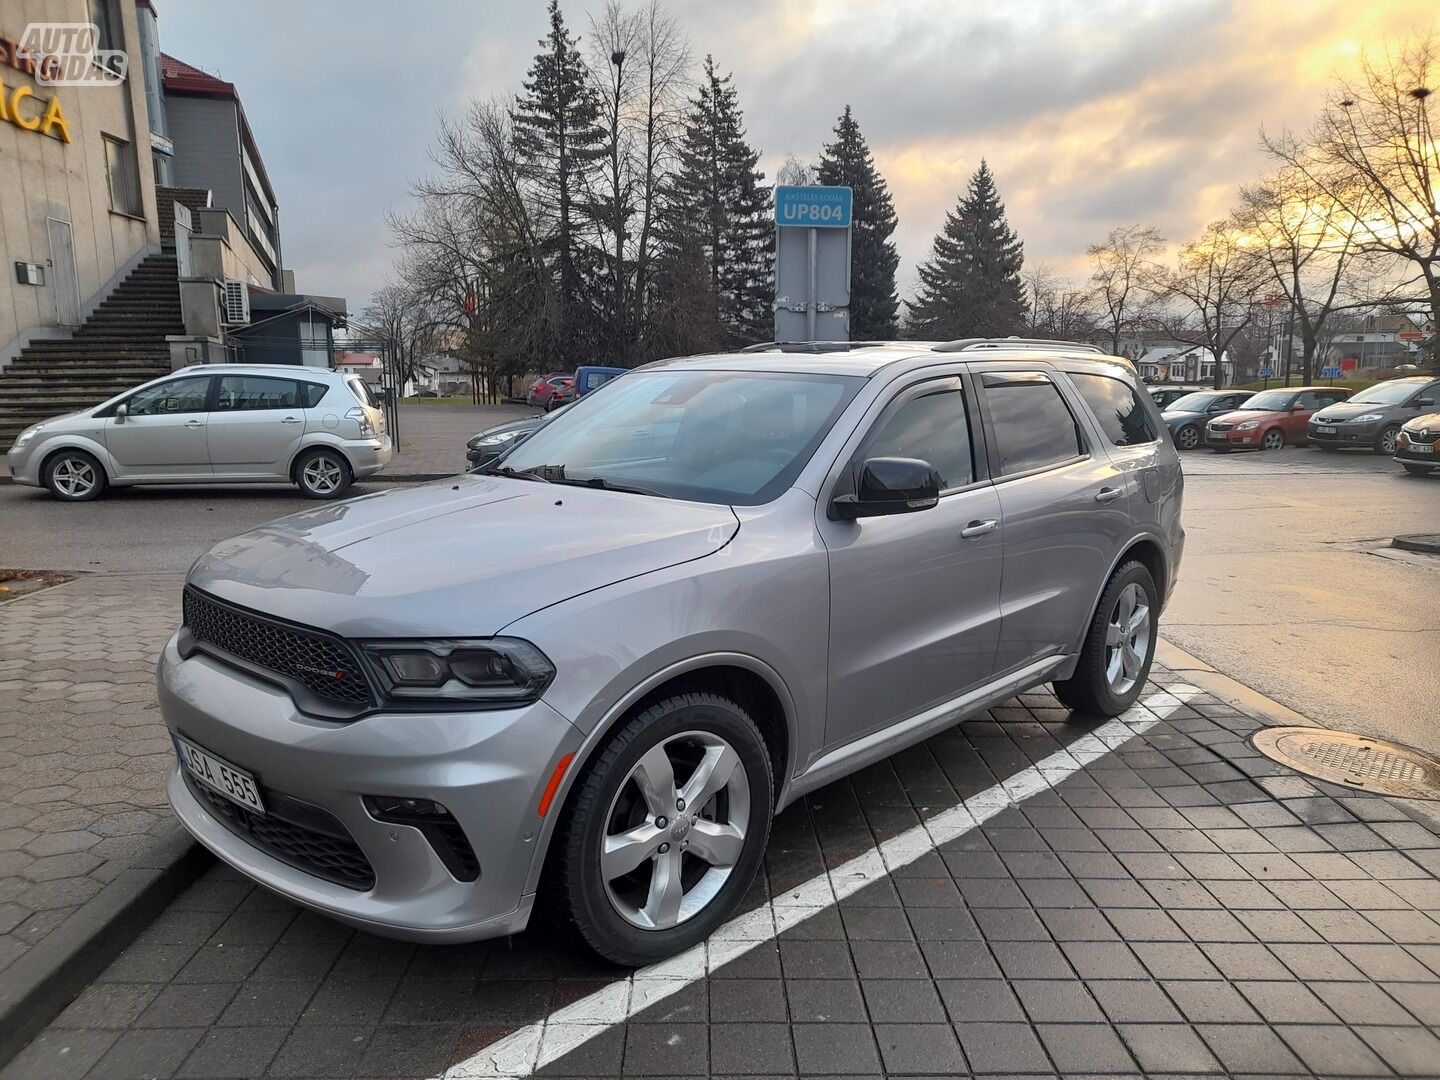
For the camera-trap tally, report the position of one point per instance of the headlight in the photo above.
(1367, 418)
(483, 671)
(502, 438)
(1248, 425)
(26, 435)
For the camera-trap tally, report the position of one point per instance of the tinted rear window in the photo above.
(1030, 421)
(1116, 406)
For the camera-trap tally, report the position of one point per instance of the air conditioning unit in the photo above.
(237, 302)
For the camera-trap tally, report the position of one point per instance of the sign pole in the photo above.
(811, 301)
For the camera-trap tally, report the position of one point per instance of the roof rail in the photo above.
(966, 344)
(813, 346)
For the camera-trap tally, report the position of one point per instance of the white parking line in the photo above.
(520, 1053)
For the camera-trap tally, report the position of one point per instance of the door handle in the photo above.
(290, 420)
(194, 423)
(1108, 494)
(979, 528)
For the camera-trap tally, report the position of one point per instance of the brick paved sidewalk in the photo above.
(1178, 906)
(82, 751)
(433, 437)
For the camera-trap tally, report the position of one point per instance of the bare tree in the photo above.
(1210, 296)
(1124, 262)
(1056, 308)
(1373, 153)
(796, 173)
(1306, 247)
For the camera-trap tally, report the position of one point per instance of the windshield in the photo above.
(1191, 403)
(1391, 393)
(711, 436)
(1273, 401)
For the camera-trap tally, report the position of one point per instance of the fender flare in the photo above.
(1115, 564)
(92, 447)
(597, 735)
(318, 441)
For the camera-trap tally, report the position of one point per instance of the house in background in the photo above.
(1177, 362)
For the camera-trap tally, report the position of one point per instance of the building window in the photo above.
(314, 340)
(124, 175)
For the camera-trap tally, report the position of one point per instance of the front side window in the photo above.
(249, 393)
(1121, 416)
(731, 437)
(174, 396)
(932, 427)
(1312, 399)
(1030, 421)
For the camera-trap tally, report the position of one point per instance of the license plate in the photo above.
(1326, 430)
(235, 784)
(1422, 448)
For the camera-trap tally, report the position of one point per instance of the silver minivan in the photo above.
(593, 670)
(217, 423)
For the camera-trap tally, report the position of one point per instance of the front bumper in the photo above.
(1410, 453)
(24, 465)
(488, 768)
(1233, 440)
(1343, 434)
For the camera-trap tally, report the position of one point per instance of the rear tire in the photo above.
(623, 794)
(74, 476)
(1119, 646)
(322, 474)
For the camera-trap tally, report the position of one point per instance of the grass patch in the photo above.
(1355, 385)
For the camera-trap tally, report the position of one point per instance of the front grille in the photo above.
(1431, 435)
(321, 846)
(324, 665)
(1221, 427)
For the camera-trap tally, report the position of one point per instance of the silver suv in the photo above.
(217, 423)
(596, 669)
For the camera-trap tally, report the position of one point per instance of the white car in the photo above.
(218, 423)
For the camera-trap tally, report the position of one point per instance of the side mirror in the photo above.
(888, 485)
(121, 411)
(1424, 403)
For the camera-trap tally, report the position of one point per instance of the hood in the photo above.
(1171, 415)
(1343, 410)
(527, 423)
(459, 557)
(1241, 415)
(1429, 422)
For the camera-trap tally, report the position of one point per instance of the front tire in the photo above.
(322, 474)
(1388, 440)
(74, 476)
(1119, 646)
(1188, 437)
(665, 830)
(1274, 439)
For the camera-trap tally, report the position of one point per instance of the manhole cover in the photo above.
(1385, 768)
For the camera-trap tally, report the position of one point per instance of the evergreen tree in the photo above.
(560, 143)
(717, 199)
(873, 257)
(970, 286)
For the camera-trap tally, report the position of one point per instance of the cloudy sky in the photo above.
(1092, 113)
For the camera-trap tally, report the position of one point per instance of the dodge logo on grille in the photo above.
(324, 673)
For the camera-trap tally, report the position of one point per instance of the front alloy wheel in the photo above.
(665, 829)
(1188, 437)
(74, 476)
(1388, 440)
(1273, 439)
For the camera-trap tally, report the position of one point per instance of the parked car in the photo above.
(600, 667)
(545, 388)
(592, 377)
(1270, 419)
(489, 444)
(1186, 416)
(1418, 445)
(1372, 418)
(221, 423)
(1163, 396)
(564, 394)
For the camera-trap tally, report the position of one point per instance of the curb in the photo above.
(1429, 543)
(38, 986)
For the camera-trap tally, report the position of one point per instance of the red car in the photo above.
(545, 390)
(1270, 419)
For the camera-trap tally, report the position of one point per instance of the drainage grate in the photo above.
(1385, 768)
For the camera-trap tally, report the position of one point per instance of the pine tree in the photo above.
(717, 199)
(874, 304)
(970, 286)
(559, 141)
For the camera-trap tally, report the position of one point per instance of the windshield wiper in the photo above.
(608, 485)
(513, 474)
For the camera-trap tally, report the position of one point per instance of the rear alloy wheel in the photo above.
(1119, 646)
(665, 831)
(1188, 437)
(1385, 444)
(322, 474)
(1273, 439)
(74, 476)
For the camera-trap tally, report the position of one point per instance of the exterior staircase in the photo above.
(120, 345)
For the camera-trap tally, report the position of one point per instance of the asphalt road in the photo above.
(1287, 583)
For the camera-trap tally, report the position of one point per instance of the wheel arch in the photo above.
(318, 442)
(94, 449)
(1146, 549)
(753, 684)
